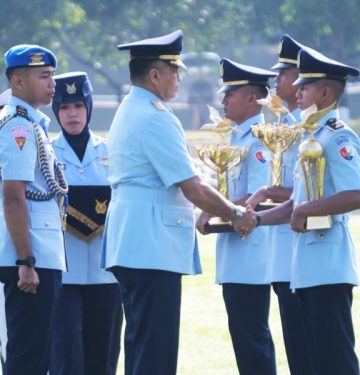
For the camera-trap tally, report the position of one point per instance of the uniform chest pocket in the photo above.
(178, 216)
(47, 221)
(234, 173)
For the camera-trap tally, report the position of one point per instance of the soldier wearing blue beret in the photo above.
(149, 240)
(324, 265)
(242, 264)
(88, 318)
(4, 98)
(33, 191)
(280, 236)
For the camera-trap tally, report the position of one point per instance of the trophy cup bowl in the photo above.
(221, 158)
(278, 138)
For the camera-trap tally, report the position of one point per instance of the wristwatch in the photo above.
(29, 261)
(239, 212)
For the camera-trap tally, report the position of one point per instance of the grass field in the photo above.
(205, 344)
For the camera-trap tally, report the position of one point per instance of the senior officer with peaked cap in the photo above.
(149, 240)
(88, 319)
(32, 192)
(280, 236)
(324, 265)
(242, 264)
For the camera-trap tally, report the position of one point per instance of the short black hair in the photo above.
(139, 68)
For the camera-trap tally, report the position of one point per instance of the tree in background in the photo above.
(87, 31)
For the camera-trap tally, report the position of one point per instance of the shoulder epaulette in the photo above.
(159, 105)
(334, 123)
(21, 111)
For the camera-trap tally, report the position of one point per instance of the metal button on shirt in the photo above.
(178, 222)
(47, 223)
(81, 170)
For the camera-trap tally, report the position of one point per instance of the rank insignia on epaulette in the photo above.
(159, 105)
(21, 111)
(335, 123)
(87, 210)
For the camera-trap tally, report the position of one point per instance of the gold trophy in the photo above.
(313, 163)
(277, 137)
(221, 158)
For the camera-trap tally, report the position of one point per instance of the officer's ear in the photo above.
(154, 75)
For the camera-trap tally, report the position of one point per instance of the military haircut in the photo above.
(17, 70)
(139, 68)
(336, 86)
(260, 91)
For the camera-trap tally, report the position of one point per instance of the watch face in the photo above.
(28, 261)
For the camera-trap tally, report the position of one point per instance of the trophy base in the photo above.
(318, 222)
(267, 205)
(218, 225)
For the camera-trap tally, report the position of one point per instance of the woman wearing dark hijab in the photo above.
(88, 322)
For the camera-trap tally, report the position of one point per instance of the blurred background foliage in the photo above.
(84, 33)
(87, 31)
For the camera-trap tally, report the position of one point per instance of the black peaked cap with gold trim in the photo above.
(235, 75)
(313, 66)
(288, 53)
(167, 48)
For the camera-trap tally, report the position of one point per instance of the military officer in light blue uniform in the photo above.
(324, 266)
(281, 236)
(88, 321)
(32, 193)
(149, 240)
(242, 264)
(4, 98)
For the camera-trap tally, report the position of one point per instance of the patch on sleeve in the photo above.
(342, 139)
(20, 135)
(346, 152)
(260, 156)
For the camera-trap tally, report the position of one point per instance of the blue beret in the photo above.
(313, 66)
(235, 75)
(29, 56)
(288, 52)
(167, 47)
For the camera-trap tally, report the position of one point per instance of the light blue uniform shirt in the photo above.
(245, 261)
(84, 258)
(150, 224)
(19, 162)
(328, 256)
(281, 236)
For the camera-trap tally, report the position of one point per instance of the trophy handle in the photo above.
(223, 184)
(276, 168)
(303, 167)
(320, 169)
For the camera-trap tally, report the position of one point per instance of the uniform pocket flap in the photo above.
(178, 216)
(44, 220)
